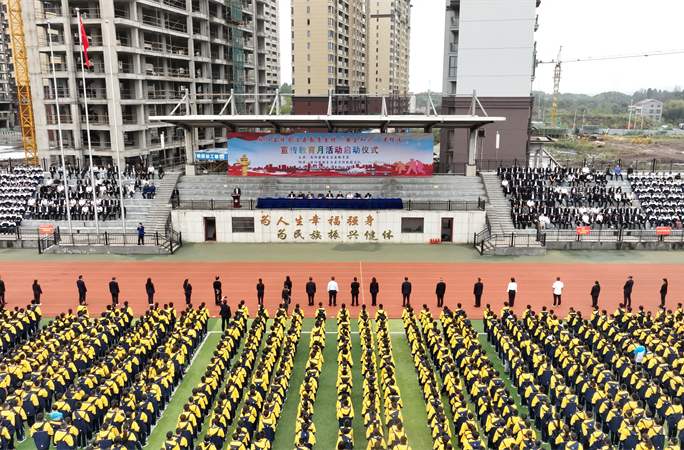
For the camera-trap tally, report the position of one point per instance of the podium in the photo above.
(236, 201)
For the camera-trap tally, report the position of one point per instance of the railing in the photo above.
(612, 235)
(409, 205)
(509, 240)
(125, 67)
(169, 239)
(49, 94)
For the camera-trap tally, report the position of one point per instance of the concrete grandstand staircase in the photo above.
(152, 213)
(499, 207)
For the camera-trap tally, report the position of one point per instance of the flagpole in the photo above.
(85, 101)
(59, 130)
(116, 131)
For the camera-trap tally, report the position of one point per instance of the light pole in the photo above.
(59, 130)
(113, 114)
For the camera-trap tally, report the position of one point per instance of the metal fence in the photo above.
(612, 235)
(409, 205)
(509, 240)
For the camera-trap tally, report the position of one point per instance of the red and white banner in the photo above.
(583, 231)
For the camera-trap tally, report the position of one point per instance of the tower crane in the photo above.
(21, 75)
(557, 70)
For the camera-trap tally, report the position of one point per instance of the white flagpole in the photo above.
(59, 130)
(112, 80)
(90, 147)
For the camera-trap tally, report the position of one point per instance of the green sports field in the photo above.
(415, 417)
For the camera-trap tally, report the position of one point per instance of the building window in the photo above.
(308, 45)
(308, 57)
(308, 9)
(308, 68)
(308, 33)
(309, 82)
(452, 66)
(243, 224)
(412, 224)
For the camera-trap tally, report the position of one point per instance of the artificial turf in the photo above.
(414, 413)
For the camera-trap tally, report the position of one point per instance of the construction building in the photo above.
(490, 48)
(158, 50)
(8, 89)
(649, 108)
(355, 48)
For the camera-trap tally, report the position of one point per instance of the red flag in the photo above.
(84, 38)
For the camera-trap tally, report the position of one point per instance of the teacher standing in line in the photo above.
(260, 292)
(512, 290)
(149, 289)
(374, 289)
(187, 290)
(663, 292)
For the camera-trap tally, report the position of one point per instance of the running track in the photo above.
(58, 281)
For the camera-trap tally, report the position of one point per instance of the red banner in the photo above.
(84, 39)
(46, 229)
(662, 231)
(581, 231)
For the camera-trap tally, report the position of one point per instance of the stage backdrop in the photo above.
(326, 154)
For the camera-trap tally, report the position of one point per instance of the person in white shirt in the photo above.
(332, 292)
(512, 290)
(557, 291)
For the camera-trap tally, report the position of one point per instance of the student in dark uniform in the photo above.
(311, 290)
(595, 291)
(217, 290)
(440, 291)
(36, 292)
(663, 292)
(477, 291)
(225, 314)
(260, 292)
(355, 292)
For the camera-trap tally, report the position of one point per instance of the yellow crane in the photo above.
(557, 71)
(21, 75)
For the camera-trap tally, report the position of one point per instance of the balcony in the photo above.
(64, 118)
(96, 119)
(48, 92)
(127, 94)
(94, 93)
(180, 72)
(122, 13)
(47, 67)
(453, 47)
(125, 67)
(156, 94)
(153, 46)
(129, 119)
(154, 71)
(87, 13)
(49, 13)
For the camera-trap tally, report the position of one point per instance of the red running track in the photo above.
(58, 281)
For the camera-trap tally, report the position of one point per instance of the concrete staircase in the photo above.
(499, 208)
(151, 213)
(219, 187)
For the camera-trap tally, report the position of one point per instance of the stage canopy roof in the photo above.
(331, 122)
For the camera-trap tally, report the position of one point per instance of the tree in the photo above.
(673, 111)
(286, 89)
(286, 106)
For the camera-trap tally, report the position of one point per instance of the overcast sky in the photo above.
(585, 28)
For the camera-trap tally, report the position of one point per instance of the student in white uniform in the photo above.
(557, 291)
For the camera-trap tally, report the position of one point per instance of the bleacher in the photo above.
(17, 186)
(661, 197)
(220, 187)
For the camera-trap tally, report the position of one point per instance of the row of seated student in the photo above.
(597, 382)
(17, 186)
(305, 428)
(661, 197)
(572, 176)
(329, 195)
(103, 380)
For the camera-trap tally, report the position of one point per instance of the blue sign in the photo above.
(215, 154)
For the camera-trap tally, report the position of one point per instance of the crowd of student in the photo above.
(141, 171)
(661, 197)
(17, 186)
(103, 380)
(328, 196)
(567, 197)
(597, 382)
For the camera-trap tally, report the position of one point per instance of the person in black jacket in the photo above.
(627, 291)
(217, 290)
(595, 291)
(406, 293)
(260, 292)
(2, 292)
(288, 284)
(286, 296)
(355, 292)
(477, 291)
(187, 290)
(311, 290)
(81, 290)
(36, 292)
(114, 290)
(149, 289)
(663, 292)
(441, 289)
(225, 313)
(374, 289)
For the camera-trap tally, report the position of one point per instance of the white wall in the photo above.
(495, 49)
(191, 225)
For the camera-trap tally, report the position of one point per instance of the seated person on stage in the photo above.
(329, 195)
(300, 195)
(350, 195)
(291, 195)
(357, 195)
(340, 195)
(368, 195)
(309, 195)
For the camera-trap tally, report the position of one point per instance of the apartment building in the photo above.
(353, 48)
(8, 90)
(159, 50)
(490, 48)
(650, 108)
